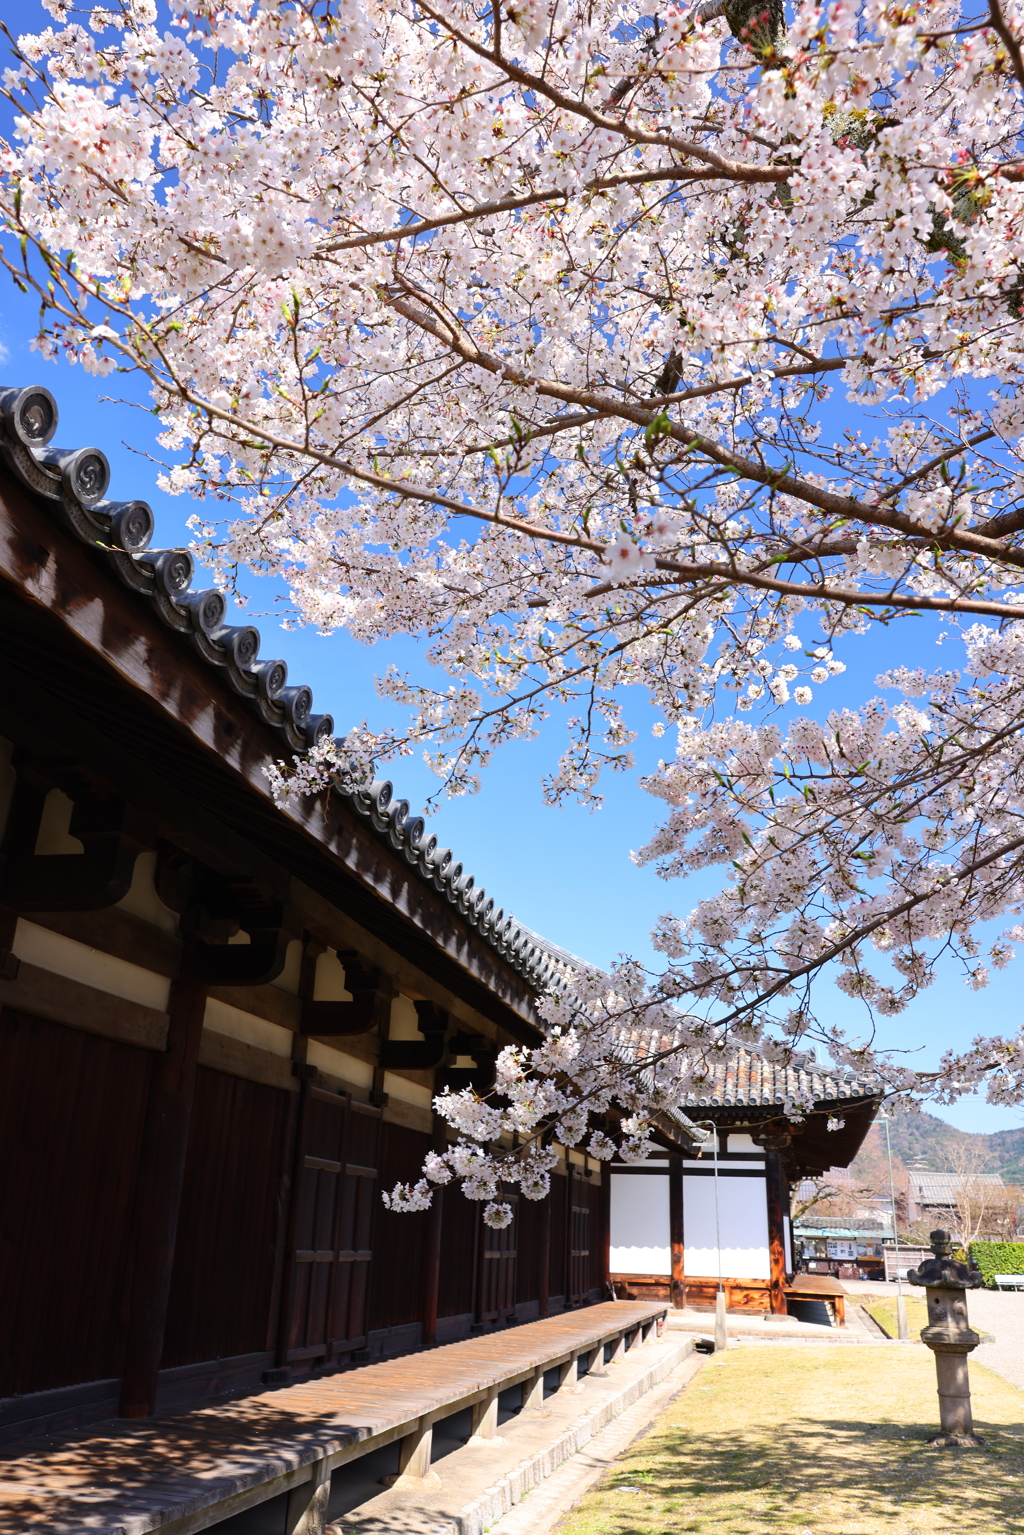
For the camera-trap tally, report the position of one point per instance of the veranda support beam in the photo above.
(307, 1503)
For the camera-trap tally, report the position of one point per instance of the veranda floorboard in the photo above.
(188, 1471)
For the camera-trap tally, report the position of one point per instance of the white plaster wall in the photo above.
(743, 1217)
(405, 1022)
(53, 835)
(142, 899)
(406, 1091)
(329, 984)
(347, 1067)
(66, 956)
(640, 1233)
(222, 1018)
(291, 975)
(741, 1142)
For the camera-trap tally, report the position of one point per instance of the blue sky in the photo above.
(565, 872)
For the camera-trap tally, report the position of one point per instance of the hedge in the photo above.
(998, 1258)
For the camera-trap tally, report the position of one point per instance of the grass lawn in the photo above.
(883, 1309)
(826, 1440)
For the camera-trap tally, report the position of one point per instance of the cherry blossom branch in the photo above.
(777, 479)
(727, 574)
(730, 170)
(400, 232)
(1010, 43)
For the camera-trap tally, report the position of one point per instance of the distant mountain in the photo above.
(930, 1142)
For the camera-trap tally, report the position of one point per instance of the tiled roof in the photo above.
(946, 1188)
(72, 484)
(740, 1078)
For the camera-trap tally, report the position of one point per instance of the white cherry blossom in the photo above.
(600, 347)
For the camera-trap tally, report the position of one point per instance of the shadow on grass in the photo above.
(850, 1466)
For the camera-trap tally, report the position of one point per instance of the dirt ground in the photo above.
(816, 1441)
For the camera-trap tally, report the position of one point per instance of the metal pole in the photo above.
(721, 1331)
(901, 1305)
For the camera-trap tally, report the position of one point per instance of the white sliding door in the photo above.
(742, 1220)
(640, 1241)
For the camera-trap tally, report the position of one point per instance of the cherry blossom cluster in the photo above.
(599, 346)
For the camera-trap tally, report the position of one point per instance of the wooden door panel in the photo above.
(497, 1284)
(325, 1206)
(578, 1284)
(336, 1171)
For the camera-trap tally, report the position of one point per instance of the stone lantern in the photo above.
(950, 1339)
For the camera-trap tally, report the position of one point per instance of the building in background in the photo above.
(669, 1239)
(843, 1248)
(937, 1197)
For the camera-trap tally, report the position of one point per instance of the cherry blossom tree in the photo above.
(599, 345)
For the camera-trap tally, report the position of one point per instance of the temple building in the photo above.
(684, 1220)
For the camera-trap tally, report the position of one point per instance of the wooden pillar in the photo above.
(675, 1223)
(285, 1190)
(307, 1504)
(544, 1290)
(775, 1182)
(158, 1191)
(289, 1180)
(568, 1375)
(414, 1455)
(432, 1247)
(595, 1360)
(484, 1428)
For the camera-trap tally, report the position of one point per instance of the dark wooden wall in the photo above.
(529, 1242)
(396, 1283)
(460, 1238)
(71, 1116)
(559, 1243)
(223, 1272)
(72, 1107)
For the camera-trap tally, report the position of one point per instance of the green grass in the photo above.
(820, 1440)
(883, 1310)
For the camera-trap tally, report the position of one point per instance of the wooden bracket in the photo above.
(213, 908)
(113, 834)
(370, 1008)
(480, 1075)
(246, 964)
(420, 1054)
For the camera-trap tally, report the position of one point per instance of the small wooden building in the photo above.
(676, 1225)
(844, 1248)
(222, 1023)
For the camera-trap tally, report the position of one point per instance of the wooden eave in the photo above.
(92, 673)
(815, 1148)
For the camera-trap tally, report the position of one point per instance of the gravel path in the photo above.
(1003, 1317)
